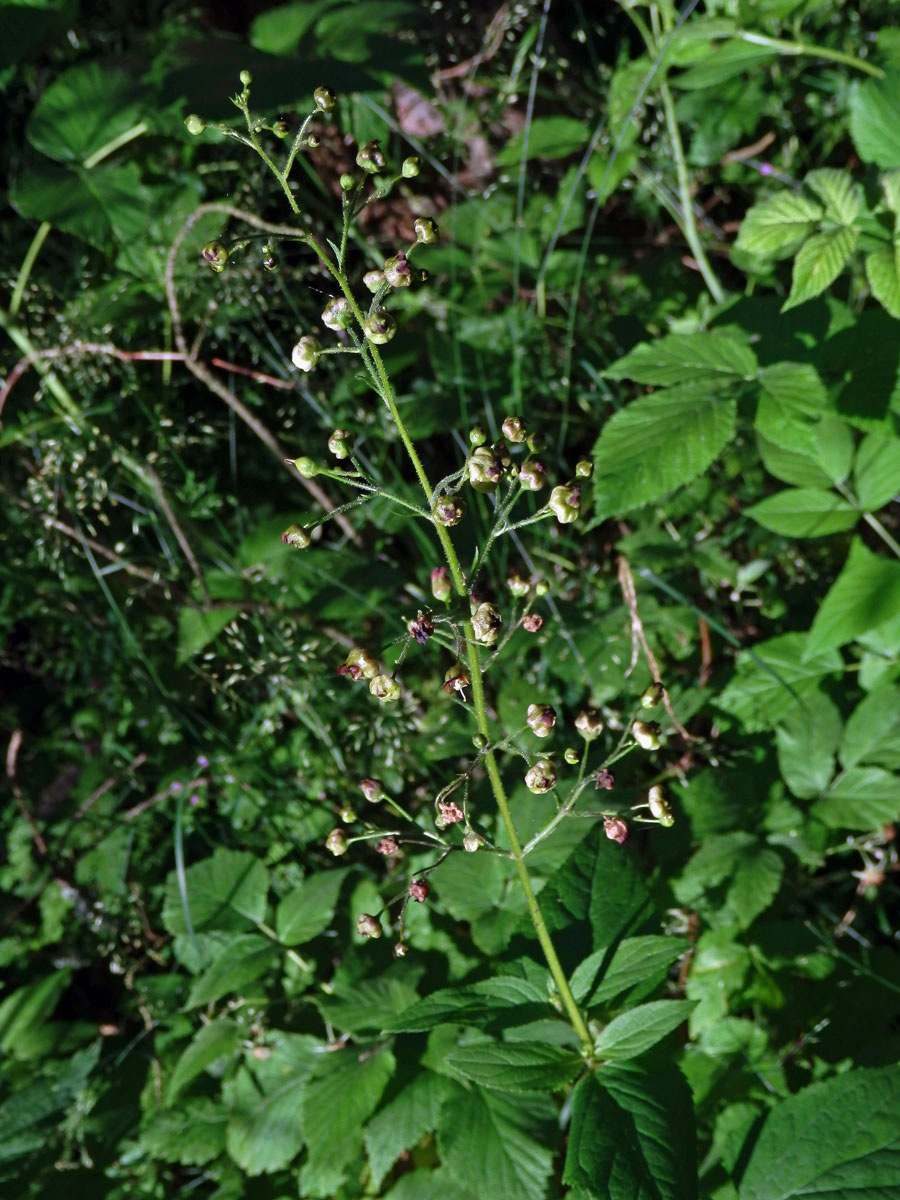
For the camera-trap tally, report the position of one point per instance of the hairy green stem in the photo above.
(804, 48)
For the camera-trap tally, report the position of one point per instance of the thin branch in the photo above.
(12, 754)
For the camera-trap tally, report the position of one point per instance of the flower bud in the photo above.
(296, 536)
(336, 842)
(397, 271)
(660, 807)
(565, 502)
(313, 142)
(532, 475)
(615, 829)
(536, 442)
(477, 436)
(306, 354)
(347, 182)
(589, 724)
(456, 680)
(373, 280)
(572, 756)
(348, 815)
(653, 695)
(501, 453)
(195, 125)
(584, 469)
(518, 586)
(421, 628)
(340, 443)
(441, 587)
(541, 588)
(307, 467)
(372, 789)
(337, 313)
(541, 719)
(426, 230)
(484, 470)
(387, 846)
(216, 254)
(410, 167)
(541, 777)
(418, 890)
(605, 780)
(324, 99)
(646, 734)
(368, 926)
(359, 664)
(480, 742)
(486, 622)
(270, 262)
(449, 512)
(449, 813)
(472, 842)
(380, 327)
(514, 430)
(385, 689)
(532, 622)
(401, 950)
(246, 78)
(281, 127)
(369, 157)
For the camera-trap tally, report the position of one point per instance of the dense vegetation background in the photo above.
(670, 245)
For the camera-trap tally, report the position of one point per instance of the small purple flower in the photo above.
(202, 761)
(195, 799)
(176, 787)
(766, 168)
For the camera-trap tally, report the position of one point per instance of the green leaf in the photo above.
(862, 798)
(804, 512)
(307, 911)
(659, 443)
(196, 629)
(97, 205)
(496, 1144)
(872, 732)
(790, 466)
(505, 998)
(83, 110)
(29, 1007)
(838, 192)
(25, 1113)
(777, 226)
(242, 961)
(635, 1031)
(807, 740)
(192, 1135)
(875, 120)
(220, 1039)
(360, 1004)
(833, 1140)
(864, 596)
(883, 274)
(517, 1066)
(731, 58)
(279, 30)
(337, 1102)
(876, 472)
(225, 891)
(753, 887)
(399, 1125)
(818, 263)
(686, 358)
(634, 961)
(773, 677)
(795, 386)
(632, 1135)
(545, 137)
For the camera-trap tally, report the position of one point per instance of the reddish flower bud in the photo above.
(449, 812)
(418, 890)
(368, 926)
(589, 724)
(456, 680)
(532, 622)
(541, 719)
(359, 664)
(615, 829)
(441, 587)
(372, 789)
(336, 842)
(386, 846)
(421, 628)
(514, 430)
(605, 779)
(541, 777)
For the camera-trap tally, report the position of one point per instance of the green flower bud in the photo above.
(660, 807)
(313, 142)
(441, 587)
(541, 588)
(306, 354)
(472, 842)
(195, 125)
(359, 664)
(536, 442)
(480, 742)
(397, 271)
(541, 777)
(370, 159)
(513, 430)
(246, 78)
(307, 467)
(426, 230)
(216, 254)
(589, 724)
(368, 926)
(340, 443)
(373, 280)
(337, 313)
(646, 734)
(336, 842)
(456, 680)
(486, 623)
(348, 815)
(281, 127)
(584, 469)
(324, 99)
(449, 512)
(532, 475)
(477, 436)
(295, 535)
(541, 719)
(484, 469)
(348, 183)
(572, 756)
(385, 689)
(653, 695)
(410, 167)
(565, 502)
(615, 829)
(517, 585)
(380, 327)
(372, 789)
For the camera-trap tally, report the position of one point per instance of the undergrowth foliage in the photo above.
(451, 605)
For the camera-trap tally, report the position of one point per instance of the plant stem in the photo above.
(803, 48)
(25, 270)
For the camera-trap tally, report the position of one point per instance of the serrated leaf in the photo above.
(657, 444)
(872, 732)
(307, 911)
(804, 513)
(220, 1039)
(517, 1066)
(876, 472)
(635, 1031)
(774, 676)
(864, 596)
(832, 1140)
(807, 740)
(890, 186)
(777, 226)
(863, 798)
(193, 1134)
(399, 1125)
(496, 1144)
(83, 110)
(264, 1128)
(336, 1104)
(686, 357)
(28, 1007)
(508, 998)
(753, 886)
(371, 1003)
(226, 891)
(634, 960)
(632, 1135)
(838, 193)
(544, 137)
(819, 261)
(790, 466)
(875, 120)
(883, 274)
(795, 386)
(241, 962)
